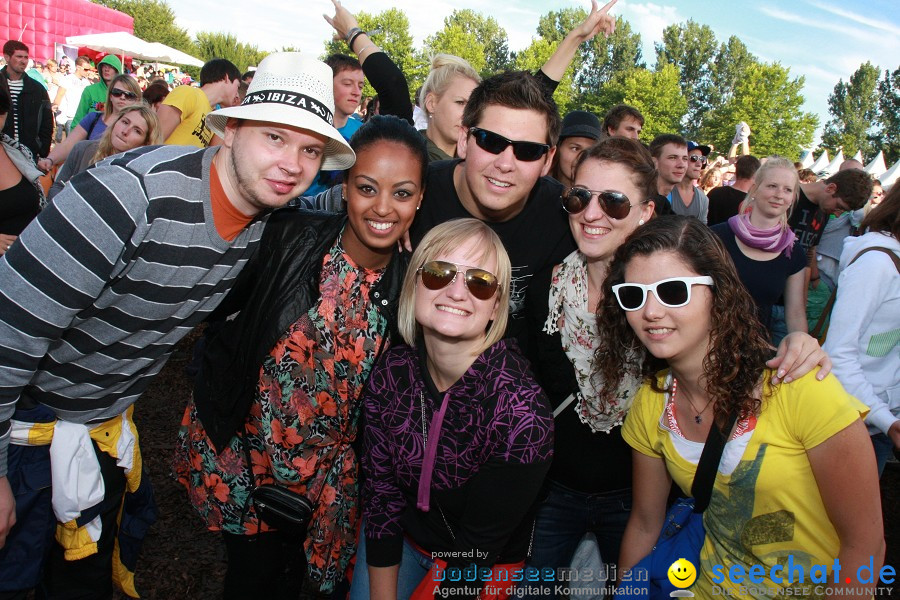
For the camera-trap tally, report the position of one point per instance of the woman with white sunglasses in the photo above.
(614, 181)
(458, 434)
(797, 480)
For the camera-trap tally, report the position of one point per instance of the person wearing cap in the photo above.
(182, 112)
(580, 130)
(94, 95)
(128, 259)
(685, 197)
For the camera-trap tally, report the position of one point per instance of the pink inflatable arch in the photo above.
(41, 23)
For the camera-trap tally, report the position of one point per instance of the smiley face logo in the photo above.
(682, 574)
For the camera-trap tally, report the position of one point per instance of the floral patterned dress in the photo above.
(302, 421)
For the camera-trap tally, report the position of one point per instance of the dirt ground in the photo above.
(182, 560)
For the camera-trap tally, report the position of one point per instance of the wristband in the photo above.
(351, 33)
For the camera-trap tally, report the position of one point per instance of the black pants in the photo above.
(257, 565)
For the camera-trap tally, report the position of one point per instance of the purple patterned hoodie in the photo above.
(494, 448)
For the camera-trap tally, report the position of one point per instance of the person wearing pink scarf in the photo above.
(769, 259)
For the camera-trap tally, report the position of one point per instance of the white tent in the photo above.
(835, 164)
(876, 167)
(807, 160)
(820, 163)
(890, 176)
(858, 157)
(123, 43)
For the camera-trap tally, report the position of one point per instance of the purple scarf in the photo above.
(776, 239)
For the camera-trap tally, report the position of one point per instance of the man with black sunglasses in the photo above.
(506, 147)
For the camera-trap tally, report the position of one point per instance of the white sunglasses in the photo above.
(673, 292)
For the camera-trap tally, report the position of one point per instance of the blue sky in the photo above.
(823, 40)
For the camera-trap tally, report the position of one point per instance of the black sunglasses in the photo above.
(117, 93)
(616, 205)
(496, 143)
(438, 274)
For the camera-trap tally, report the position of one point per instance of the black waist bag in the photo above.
(280, 507)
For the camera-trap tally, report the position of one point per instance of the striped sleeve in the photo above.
(58, 267)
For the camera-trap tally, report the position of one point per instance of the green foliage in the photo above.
(533, 57)
(394, 38)
(692, 48)
(454, 39)
(212, 44)
(853, 107)
(889, 115)
(489, 34)
(154, 21)
(770, 102)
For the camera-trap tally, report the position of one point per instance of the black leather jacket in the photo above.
(280, 283)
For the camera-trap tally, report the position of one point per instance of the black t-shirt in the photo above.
(764, 279)
(724, 203)
(662, 206)
(808, 222)
(536, 238)
(573, 441)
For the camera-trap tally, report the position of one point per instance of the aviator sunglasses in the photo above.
(673, 292)
(117, 93)
(616, 205)
(496, 143)
(438, 274)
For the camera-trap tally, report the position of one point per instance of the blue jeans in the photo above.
(414, 566)
(884, 450)
(566, 515)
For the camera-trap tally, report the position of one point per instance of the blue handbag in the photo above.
(682, 533)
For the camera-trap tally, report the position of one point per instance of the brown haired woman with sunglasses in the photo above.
(458, 434)
(614, 181)
(123, 91)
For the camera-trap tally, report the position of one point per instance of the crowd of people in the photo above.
(458, 332)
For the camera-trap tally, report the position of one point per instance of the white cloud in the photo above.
(883, 25)
(649, 20)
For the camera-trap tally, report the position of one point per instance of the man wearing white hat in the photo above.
(96, 292)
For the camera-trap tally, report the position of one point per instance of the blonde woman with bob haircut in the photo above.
(133, 127)
(769, 258)
(454, 422)
(443, 97)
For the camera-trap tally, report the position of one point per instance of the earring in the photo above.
(641, 222)
(418, 207)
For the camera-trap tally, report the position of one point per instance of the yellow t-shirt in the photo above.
(194, 106)
(765, 504)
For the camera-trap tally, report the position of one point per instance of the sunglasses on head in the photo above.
(673, 292)
(616, 205)
(698, 158)
(496, 143)
(438, 274)
(117, 93)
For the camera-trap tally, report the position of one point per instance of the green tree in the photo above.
(211, 44)
(154, 21)
(454, 39)
(692, 48)
(889, 115)
(729, 67)
(533, 57)
(853, 107)
(393, 37)
(488, 32)
(597, 62)
(770, 102)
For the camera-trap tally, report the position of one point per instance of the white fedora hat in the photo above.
(290, 89)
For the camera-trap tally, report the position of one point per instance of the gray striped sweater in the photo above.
(100, 287)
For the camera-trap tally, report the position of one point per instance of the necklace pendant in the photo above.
(698, 419)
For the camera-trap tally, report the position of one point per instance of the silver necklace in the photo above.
(698, 418)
